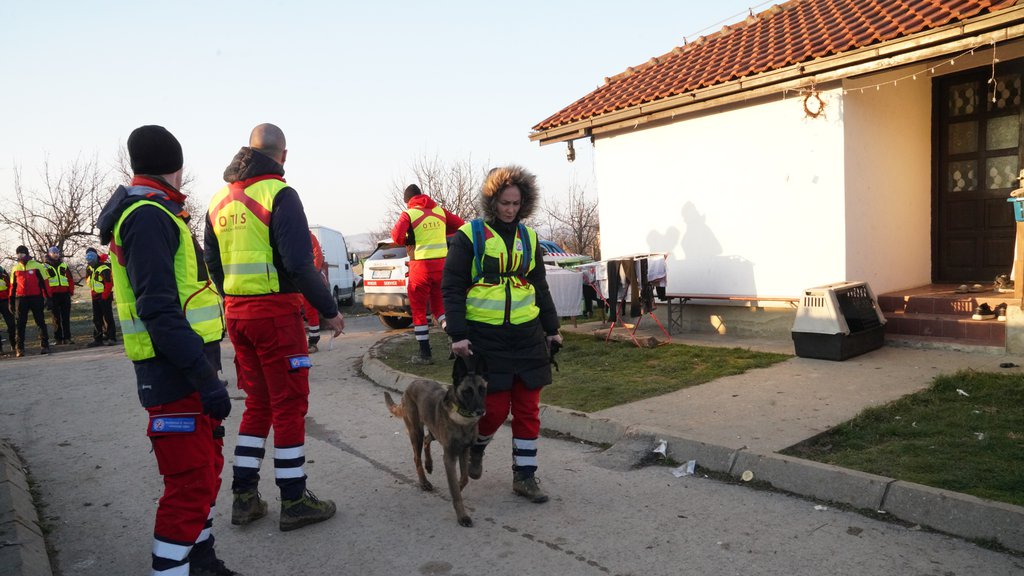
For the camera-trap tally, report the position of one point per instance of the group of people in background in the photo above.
(32, 287)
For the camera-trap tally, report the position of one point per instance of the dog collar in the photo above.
(460, 411)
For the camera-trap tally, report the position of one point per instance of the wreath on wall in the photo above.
(814, 106)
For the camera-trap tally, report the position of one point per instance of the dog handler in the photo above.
(499, 307)
(172, 325)
(260, 255)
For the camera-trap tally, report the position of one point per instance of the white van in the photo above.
(341, 279)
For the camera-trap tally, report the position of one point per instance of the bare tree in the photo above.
(63, 214)
(194, 205)
(575, 225)
(453, 185)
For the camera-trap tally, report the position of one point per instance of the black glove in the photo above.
(216, 402)
(554, 347)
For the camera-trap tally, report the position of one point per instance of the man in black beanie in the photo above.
(171, 324)
(29, 291)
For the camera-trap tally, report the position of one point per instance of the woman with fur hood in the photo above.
(500, 313)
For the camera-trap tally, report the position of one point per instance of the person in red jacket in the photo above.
(308, 310)
(30, 290)
(5, 307)
(424, 228)
(101, 285)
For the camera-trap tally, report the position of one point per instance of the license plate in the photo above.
(381, 274)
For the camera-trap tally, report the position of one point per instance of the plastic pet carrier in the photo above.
(838, 321)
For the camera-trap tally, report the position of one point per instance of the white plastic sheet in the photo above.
(566, 290)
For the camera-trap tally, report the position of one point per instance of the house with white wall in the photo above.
(816, 142)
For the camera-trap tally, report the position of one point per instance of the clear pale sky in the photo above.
(361, 89)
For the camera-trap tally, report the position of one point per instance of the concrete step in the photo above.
(953, 304)
(957, 326)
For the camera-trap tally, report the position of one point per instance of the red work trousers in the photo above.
(424, 288)
(277, 392)
(191, 463)
(524, 405)
(312, 316)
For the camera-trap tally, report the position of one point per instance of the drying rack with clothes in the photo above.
(634, 279)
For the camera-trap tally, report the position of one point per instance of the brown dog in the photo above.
(450, 414)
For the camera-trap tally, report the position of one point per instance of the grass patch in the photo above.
(938, 437)
(595, 375)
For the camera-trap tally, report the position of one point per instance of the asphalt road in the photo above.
(76, 419)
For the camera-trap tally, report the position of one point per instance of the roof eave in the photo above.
(976, 32)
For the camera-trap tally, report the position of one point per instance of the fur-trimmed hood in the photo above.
(502, 177)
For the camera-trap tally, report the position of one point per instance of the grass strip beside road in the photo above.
(594, 375)
(965, 433)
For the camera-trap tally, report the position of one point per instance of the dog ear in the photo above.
(459, 370)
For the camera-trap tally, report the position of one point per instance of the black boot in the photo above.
(476, 462)
(525, 484)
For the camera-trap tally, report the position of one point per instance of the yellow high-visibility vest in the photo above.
(96, 280)
(500, 291)
(200, 302)
(58, 274)
(241, 221)
(428, 228)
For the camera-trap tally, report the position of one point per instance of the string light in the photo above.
(913, 76)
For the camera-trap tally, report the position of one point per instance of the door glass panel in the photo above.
(1003, 132)
(1001, 172)
(963, 137)
(1006, 94)
(963, 99)
(962, 176)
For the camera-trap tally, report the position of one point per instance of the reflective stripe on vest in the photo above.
(428, 228)
(500, 289)
(96, 283)
(58, 274)
(241, 221)
(196, 293)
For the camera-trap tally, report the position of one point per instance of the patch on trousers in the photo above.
(296, 362)
(172, 424)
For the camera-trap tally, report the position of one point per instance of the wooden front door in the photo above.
(978, 154)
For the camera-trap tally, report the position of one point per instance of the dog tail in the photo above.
(395, 409)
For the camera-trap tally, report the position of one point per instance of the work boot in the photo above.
(214, 568)
(247, 507)
(420, 359)
(305, 511)
(476, 463)
(526, 485)
(44, 350)
(312, 348)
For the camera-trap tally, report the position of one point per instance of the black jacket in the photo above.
(509, 350)
(149, 240)
(289, 236)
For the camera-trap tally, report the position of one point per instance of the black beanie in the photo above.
(412, 190)
(153, 150)
(21, 250)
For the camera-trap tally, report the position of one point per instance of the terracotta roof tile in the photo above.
(785, 34)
